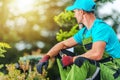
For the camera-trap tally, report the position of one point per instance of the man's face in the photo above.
(78, 14)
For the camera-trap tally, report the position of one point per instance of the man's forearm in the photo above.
(70, 42)
(55, 50)
(91, 54)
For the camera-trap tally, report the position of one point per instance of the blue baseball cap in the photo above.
(86, 5)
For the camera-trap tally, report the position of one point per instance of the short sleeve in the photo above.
(78, 36)
(102, 33)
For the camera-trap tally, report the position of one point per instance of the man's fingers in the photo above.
(39, 67)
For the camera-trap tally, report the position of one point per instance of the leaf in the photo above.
(3, 47)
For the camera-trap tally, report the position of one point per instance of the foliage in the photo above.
(32, 58)
(3, 47)
(66, 19)
(29, 60)
(62, 35)
(23, 70)
(1, 66)
(15, 74)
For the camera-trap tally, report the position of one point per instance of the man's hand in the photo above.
(43, 62)
(66, 61)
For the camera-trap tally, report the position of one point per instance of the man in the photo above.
(97, 38)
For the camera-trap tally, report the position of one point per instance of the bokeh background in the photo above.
(28, 26)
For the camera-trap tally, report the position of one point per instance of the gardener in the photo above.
(97, 38)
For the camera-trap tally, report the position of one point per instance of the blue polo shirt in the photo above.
(100, 31)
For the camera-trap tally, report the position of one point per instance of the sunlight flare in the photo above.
(22, 6)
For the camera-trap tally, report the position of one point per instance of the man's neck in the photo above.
(89, 21)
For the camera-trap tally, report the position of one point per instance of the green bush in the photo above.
(3, 47)
(15, 74)
(66, 19)
(23, 73)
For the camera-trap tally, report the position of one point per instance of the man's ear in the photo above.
(82, 12)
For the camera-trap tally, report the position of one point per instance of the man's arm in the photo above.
(61, 45)
(96, 52)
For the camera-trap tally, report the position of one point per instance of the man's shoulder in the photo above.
(100, 24)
